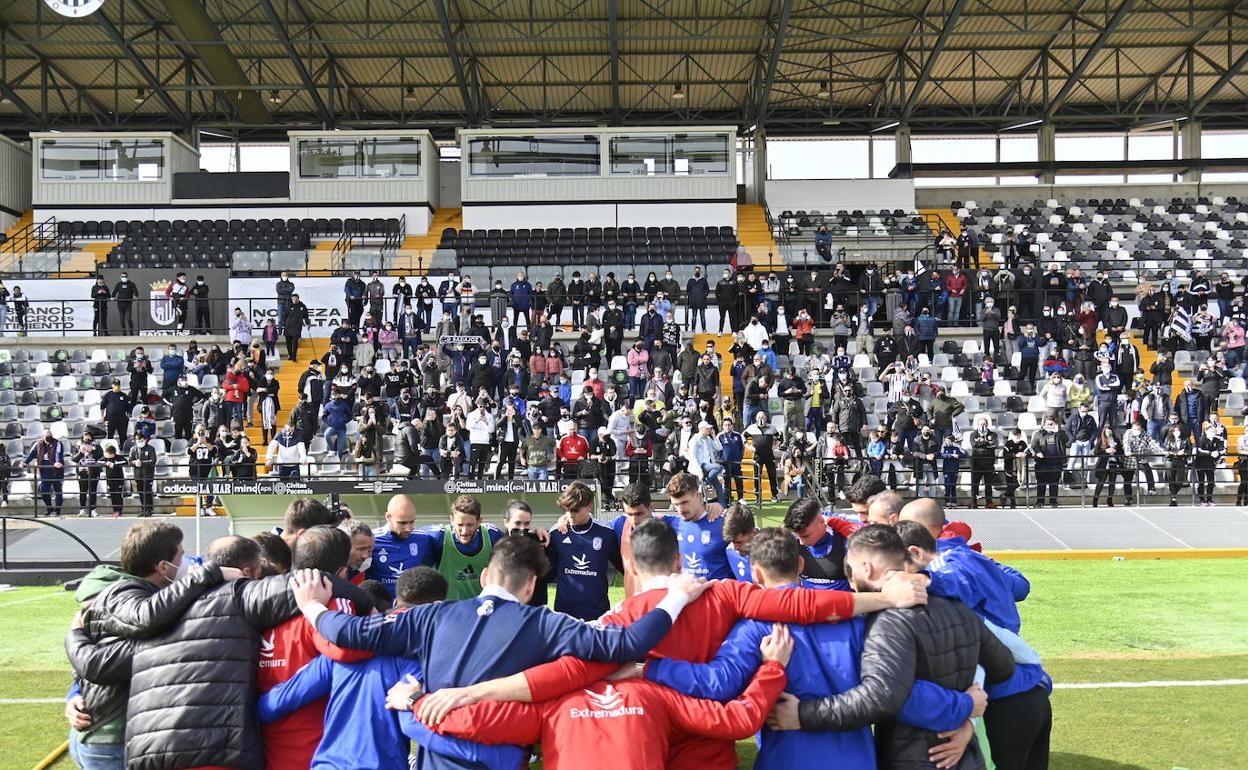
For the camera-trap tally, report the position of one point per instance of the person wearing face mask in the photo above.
(125, 293)
(240, 328)
(1049, 447)
(1026, 284)
(172, 366)
(697, 292)
(203, 306)
(726, 301)
(1114, 319)
(982, 443)
(99, 300)
(1108, 386)
(284, 290)
(990, 323)
(142, 458)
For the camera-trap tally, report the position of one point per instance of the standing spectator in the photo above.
(926, 327)
(182, 399)
(178, 293)
(573, 448)
(117, 407)
(240, 328)
(375, 293)
(950, 466)
(1141, 452)
(203, 306)
(1029, 357)
(353, 294)
(1081, 433)
(402, 292)
(285, 289)
(956, 284)
(926, 449)
(1192, 408)
(236, 387)
(269, 336)
(99, 300)
(125, 293)
(982, 443)
(139, 367)
(21, 306)
(87, 459)
(480, 439)
(425, 294)
(990, 326)
(705, 449)
(1110, 465)
(521, 300)
(968, 248)
(142, 459)
(1049, 448)
(1108, 387)
(172, 366)
(697, 293)
(4, 307)
(536, 453)
(823, 243)
(296, 320)
(1178, 451)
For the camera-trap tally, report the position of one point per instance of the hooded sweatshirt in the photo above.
(107, 658)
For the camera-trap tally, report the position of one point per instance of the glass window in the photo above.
(327, 159)
(952, 149)
(1089, 147)
(820, 158)
(390, 156)
(134, 160)
(512, 156)
(700, 154)
(1222, 144)
(883, 156)
(643, 155)
(1019, 149)
(69, 160)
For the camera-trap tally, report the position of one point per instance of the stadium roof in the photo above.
(255, 68)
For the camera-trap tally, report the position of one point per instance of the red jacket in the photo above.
(236, 386)
(697, 636)
(573, 448)
(626, 726)
(290, 742)
(956, 284)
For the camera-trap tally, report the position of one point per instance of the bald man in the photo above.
(885, 508)
(397, 546)
(1019, 717)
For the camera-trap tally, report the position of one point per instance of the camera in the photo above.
(520, 532)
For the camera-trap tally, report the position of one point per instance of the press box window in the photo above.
(538, 156)
(390, 157)
(332, 159)
(134, 160)
(69, 160)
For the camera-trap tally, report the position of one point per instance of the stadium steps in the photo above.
(416, 251)
(288, 375)
(100, 250)
(755, 236)
(722, 343)
(321, 258)
(24, 221)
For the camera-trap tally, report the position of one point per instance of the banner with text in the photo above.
(58, 307)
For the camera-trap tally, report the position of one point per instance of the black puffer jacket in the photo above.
(941, 643)
(193, 686)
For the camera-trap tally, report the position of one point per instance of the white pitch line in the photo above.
(1159, 528)
(16, 701)
(27, 600)
(1159, 683)
(1045, 530)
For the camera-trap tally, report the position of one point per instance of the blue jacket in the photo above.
(336, 413)
(1028, 347)
(354, 288)
(990, 589)
(360, 732)
(486, 637)
(926, 327)
(732, 447)
(173, 367)
(392, 555)
(825, 663)
(521, 295)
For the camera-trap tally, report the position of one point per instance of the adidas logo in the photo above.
(467, 573)
(567, 540)
(580, 562)
(609, 699)
(267, 645)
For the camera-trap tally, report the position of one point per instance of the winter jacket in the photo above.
(941, 642)
(101, 665)
(944, 410)
(197, 644)
(926, 327)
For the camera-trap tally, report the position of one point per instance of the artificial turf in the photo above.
(1111, 621)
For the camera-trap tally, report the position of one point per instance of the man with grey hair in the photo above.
(362, 542)
(884, 508)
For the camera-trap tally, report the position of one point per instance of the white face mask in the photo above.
(364, 565)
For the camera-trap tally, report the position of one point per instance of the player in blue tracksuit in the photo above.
(824, 559)
(739, 564)
(1019, 718)
(360, 733)
(825, 662)
(491, 635)
(396, 546)
(701, 540)
(580, 555)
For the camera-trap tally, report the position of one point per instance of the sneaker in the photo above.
(82, 513)
(95, 512)
(1152, 492)
(4, 503)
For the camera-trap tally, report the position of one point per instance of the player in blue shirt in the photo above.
(824, 560)
(396, 546)
(739, 530)
(825, 662)
(359, 732)
(580, 556)
(702, 545)
(491, 635)
(1020, 716)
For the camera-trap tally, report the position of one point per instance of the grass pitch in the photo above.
(1094, 622)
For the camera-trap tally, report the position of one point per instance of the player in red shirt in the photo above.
(628, 725)
(290, 742)
(696, 636)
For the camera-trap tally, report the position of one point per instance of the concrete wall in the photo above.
(600, 214)
(939, 197)
(14, 181)
(831, 195)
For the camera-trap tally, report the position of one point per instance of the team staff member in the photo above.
(1019, 717)
(657, 555)
(826, 662)
(495, 634)
(397, 546)
(580, 556)
(462, 548)
(600, 725)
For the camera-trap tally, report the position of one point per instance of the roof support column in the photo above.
(902, 148)
(1046, 150)
(1189, 147)
(759, 192)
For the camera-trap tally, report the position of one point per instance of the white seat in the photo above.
(43, 369)
(924, 360)
(1237, 385)
(1027, 422)
(99, 355)
(60, 430)
(1002, 388)
(619, 363)
(959, 389)
(382, 365)
(970, 347)
(68, 382)
(1036, 405)
(1016, 360)
(950, 374)
(93, 412)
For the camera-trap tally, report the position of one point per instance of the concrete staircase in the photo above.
(416, 251)
(321, 258)
(24, 221)
(287, 376)
(755, 235)
(949, 220)
(722, 343)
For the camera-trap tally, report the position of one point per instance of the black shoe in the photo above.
(1111, 502)
(1173, 503)
(1096, 502)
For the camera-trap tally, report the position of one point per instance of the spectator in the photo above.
(142, 460)
(926, 327)
(125, 293)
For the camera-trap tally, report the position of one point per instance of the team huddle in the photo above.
(882, 641)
